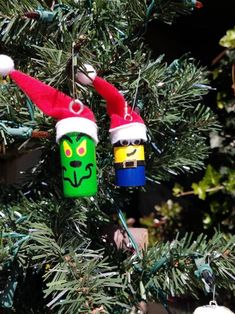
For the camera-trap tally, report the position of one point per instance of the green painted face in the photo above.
(78, 159)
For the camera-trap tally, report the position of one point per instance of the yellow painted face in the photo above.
(128, 152)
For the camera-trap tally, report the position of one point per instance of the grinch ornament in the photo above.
(127, 131)
(212, 308)
(76, 130)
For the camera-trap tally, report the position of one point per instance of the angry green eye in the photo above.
(82, 148)
(67, 149)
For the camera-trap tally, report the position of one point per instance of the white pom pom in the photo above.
(88, 76)
(6, 65)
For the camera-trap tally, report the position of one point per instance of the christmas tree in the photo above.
(62, 253)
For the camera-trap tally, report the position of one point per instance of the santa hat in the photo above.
(72, 114)
(126, 124)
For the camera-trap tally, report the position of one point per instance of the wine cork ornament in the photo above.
(76, 130)
(127, 131)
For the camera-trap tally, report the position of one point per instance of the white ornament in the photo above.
(88, 77)
(212, 308)
(6, 65)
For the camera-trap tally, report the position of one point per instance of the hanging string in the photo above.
(30, 108)
(150, 10)
(136, 91)
(213, 295)
(131, 239)
(123, 222)
(73, 73)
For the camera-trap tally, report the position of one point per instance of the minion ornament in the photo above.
(76, 130)
(127, 131)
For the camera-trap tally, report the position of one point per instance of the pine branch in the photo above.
(77, 278)
(175, 275)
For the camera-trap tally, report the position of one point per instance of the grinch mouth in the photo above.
(76, 183)
(131, 153)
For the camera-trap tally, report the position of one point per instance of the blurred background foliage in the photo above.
(212, 192)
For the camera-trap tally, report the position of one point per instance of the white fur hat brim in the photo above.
(129, 131)
(76, 124)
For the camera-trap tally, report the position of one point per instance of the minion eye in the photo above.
(135, 142)
(67, 149)
(125, 142)
(82, 148)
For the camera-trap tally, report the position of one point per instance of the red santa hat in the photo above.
(72, 115)
(126, 124)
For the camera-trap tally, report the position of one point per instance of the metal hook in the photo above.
(213, 303)
(127, 116)
(76, 101)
